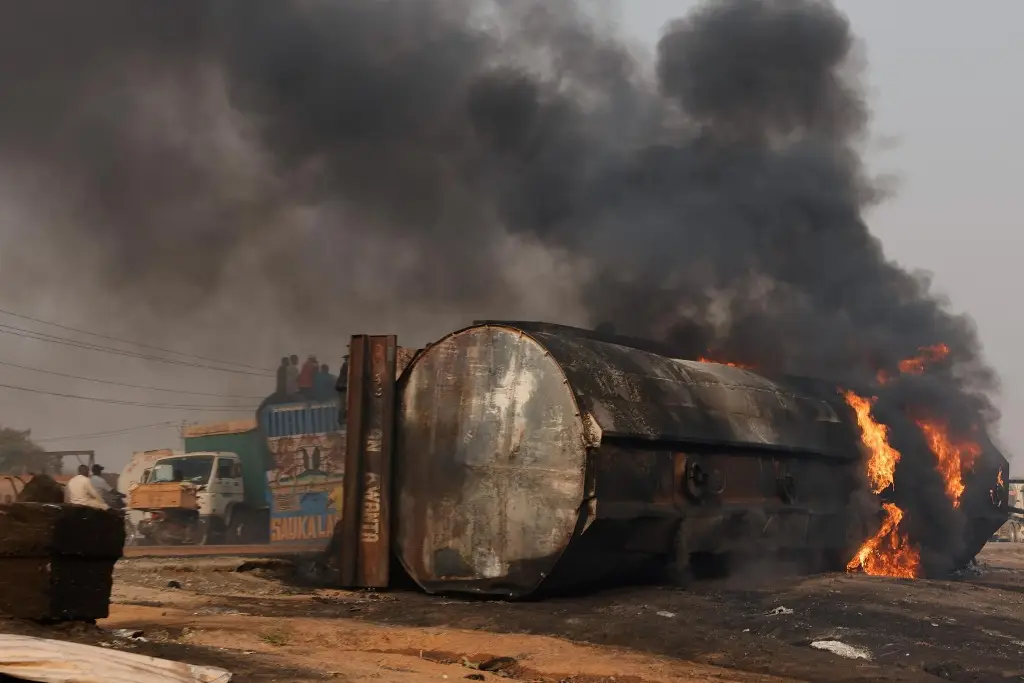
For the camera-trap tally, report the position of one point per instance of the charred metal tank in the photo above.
(533, 456)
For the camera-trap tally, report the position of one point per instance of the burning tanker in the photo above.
(532, 457)
(713, 198)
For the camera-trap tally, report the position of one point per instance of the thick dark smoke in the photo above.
(716, 201)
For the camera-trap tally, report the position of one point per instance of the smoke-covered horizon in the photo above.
(474, 159)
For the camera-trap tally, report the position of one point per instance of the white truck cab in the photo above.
(215, 477)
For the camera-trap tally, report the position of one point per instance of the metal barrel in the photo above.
(533, 456)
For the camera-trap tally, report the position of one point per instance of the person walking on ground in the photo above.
(291, 386)
(306, 376)
(80, 491)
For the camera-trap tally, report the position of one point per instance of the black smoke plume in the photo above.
(716, 201)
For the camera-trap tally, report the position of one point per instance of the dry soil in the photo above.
(258, 620)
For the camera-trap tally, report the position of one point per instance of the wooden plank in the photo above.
(163, 495)
(57, 561)
(48, 530)
(56, 589)
(264, 550)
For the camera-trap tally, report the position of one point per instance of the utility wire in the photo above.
(111, 432)
(133, 343)
(53, 339)
(141, 404)
(123, 384)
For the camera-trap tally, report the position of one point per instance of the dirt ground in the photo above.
(255, 619)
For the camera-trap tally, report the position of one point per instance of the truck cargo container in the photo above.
(305, 473)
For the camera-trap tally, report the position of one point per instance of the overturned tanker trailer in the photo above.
(532, 457)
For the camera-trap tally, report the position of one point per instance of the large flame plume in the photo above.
(955, 457)
(888, 553)
(882, 458)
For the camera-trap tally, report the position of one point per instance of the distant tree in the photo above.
(20, 454)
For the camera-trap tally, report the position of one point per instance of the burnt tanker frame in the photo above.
(533, 457)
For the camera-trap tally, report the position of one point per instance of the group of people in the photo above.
(94, 491)
(312, 381)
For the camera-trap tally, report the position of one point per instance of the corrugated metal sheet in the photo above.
(291, 419)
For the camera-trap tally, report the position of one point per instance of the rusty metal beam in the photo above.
(366, 520)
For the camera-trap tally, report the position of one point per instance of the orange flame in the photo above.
(882, 458)
(993, 494)
(741, 366)
(889, 552)
(954, 457)
(927, 356)
(917, 364)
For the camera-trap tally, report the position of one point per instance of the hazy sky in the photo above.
(946, 115)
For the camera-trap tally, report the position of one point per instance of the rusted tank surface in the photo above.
(533, 456)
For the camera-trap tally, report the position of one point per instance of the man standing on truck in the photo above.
(342, 388)
(306, 377)
(323, 383)
(80, 491)
(282, 379)
(292, 378)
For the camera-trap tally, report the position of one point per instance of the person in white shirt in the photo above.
(98, 481)
(80, 491)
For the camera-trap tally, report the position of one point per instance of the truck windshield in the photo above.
(194, 470)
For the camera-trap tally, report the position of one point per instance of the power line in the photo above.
(123, 384)
(140, 404)
(111, 432)
(53, 339)
(133, 343)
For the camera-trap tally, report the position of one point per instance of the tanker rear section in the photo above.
(531, 458)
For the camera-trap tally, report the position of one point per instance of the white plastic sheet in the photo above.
(57, 661)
